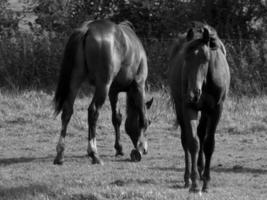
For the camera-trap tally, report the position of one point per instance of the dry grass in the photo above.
(29, 133)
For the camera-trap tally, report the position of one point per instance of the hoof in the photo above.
(135, 155)
(194, 189)
(95, 159)
(119, 153)
(58, 161)
(205, 188)
(187, 184)
(195, 195)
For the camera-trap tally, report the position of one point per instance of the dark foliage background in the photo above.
(30, 53)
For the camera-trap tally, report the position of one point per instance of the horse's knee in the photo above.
(200, 161)
(66, 114)
(183, 140)
(116, 119)
(193, 145)
(209, 146)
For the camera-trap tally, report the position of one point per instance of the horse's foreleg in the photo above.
(201, 131)
(116, 121)
(187, 160)
(93, 114)
(193, 146)
(209, 144)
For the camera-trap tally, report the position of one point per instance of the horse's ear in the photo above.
(190, 35)
(206, 36)
(149, 103)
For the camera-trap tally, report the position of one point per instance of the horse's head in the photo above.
(196, 57)
(133, 128)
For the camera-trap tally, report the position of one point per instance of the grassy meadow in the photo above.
(29, 133)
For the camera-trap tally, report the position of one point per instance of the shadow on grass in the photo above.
(40, 191)
(234, 169)
(82, 197)
(12, 161)
(122, 160)
(132, 181)
(239, 169)
(171, 168)
(178, 186)
(50, 158)
(33, 191)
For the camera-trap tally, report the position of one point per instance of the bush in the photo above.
(247, 66)
(33, 61)
(29, 60)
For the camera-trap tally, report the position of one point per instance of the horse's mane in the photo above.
(215, 41)
(127, 25)
(201, 25)
(130, 39)
(84, 27)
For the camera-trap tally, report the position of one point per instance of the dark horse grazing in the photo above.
(112, 59)
(199, 81)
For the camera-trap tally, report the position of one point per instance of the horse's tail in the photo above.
(66, 69)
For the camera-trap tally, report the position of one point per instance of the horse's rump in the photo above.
(66, 68)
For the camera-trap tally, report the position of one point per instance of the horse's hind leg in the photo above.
(65, 118)
(209, 144)
(116, 119)
(100, 95)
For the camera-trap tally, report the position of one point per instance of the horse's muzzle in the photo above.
(143, 147)
(194, 96)
(194, 102)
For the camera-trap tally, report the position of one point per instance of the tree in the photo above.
(233, 18)
(8, 20)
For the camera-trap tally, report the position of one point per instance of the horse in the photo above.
(199, 80)
(112, 59)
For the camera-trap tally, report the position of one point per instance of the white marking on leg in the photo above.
(195, 196)
(145, 146)
(92, 146)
